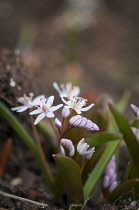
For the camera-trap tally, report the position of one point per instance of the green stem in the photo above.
(36, 136)
(53, 128)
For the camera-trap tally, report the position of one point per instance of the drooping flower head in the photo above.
(66, 146)
(83, 122)
(135, 110)
(135, 132)
(28, 102)
(77, 103)
(67, 90)
(83, 149)
(45, 109)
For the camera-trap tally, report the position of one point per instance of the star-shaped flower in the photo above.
(27, 102)
(77, 103)
(46, 109)
(66, 90)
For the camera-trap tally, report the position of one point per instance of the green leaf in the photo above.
(127, 172)
(122, 189)
(136, 123)
(128, 136)
(90, 164)
(102, 138)
(71, 174)
(122, 103)
(100, 166)
(27, 139)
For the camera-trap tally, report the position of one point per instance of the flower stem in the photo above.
(37, 139)
(53, 128)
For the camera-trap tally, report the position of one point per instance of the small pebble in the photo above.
(12, 83)
(16, 181)
(133, 203)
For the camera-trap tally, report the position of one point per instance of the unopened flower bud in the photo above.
(65, 112)
(57, 123)
(83, 122)
(113, 186)
(135, 109)
(135, 132)
(66, 146)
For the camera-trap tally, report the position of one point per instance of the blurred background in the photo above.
(91, 42)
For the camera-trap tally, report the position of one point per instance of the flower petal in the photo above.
(22, 109)
(36, 101)
(54, 108)
(75, 91)
(78, 111)
(17, 108)
(39, 118)
(37, 111)
(49, 102)
(66, 102)
(55, 85)
(88, 154)
(50, 114)
(87, 108)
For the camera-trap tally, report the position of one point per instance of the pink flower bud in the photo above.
(66, 145)
(82, 122)
(135, 132)
(135, 109)
(57, 123)
(65, 112)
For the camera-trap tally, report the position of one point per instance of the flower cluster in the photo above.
(43, 107)
(109, 181)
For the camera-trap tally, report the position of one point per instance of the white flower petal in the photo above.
(78, 111)
(17, 108)
(55, 85)
(87, 108)
(75, 91)
(39, 118)
(36, 101)
(54, 108)
(81, 104)
(37, 111)
(88, 154)
(62, 150)
(50, 114)
(66, 102)
(22, 109)
(49, 102)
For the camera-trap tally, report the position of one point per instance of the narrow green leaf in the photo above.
(90, 164)
(121, 190)
(128, 136)
(27, 139)
(136, 123)
(97, 171)
(102, 138)
(127, 172)
(122, 103)
(71, 174)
